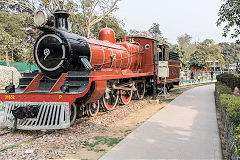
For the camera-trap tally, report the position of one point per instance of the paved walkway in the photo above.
(185, 129)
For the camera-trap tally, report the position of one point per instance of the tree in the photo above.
(90, 12)
(32, 6)
(184, 42)
(231, 52)
(14, 36)
(229, 14)
(155, 30)
(111, 22)
(206, 51)
(197, 60)
(213, 51)
(133, 32)
(20, 5)
(8, 46)
(175, 48)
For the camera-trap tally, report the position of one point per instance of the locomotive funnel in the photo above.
(61, 19)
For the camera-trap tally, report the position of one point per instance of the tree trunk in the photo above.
(12, 58)
(88, 32)
(7, 61)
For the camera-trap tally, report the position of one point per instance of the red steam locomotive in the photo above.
(78, 75)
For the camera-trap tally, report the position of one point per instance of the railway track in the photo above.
(4, 133)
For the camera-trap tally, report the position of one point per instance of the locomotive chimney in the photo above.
(61, 19)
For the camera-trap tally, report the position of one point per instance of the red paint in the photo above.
(35, 97)
(125, 100)
(34, 84)
(57, 86)
(107, 34)
(100, 87)
(108, 105)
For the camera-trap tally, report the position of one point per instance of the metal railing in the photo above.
(205, 76)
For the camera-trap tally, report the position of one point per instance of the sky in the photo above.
(176, 17)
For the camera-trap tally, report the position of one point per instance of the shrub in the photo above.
(224, 76)
(226, 99)
(231, 104)
(229, 79)
(237, 80)
(223, 89)
(237, 139)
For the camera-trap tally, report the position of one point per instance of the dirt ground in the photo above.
(101, 141)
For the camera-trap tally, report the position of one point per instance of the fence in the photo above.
(21, 66)
(229, 129)
(205, 76)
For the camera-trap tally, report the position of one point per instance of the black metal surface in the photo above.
(21, 112)
(46, 84)
(173, 56)
(10, 88)
(77, 81)
(75, 47)
(51, 50)
(25, 81)
(61, 19)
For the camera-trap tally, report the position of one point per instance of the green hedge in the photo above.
(229, 79)
(237, 139)
(231, 104)
(223, 88)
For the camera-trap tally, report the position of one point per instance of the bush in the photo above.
(237, 76)
(226, 99)
(237, 139)
(231, 104)
(223, 89)
(229, 79)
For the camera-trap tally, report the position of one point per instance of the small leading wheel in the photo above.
(110, 99)
(73, 113)
(93, 108)
(125, 96)
(141, 89)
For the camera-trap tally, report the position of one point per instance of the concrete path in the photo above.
(185, 129)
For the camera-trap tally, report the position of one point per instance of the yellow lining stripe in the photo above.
(171, 79)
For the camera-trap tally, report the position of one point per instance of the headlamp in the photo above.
(42, 18)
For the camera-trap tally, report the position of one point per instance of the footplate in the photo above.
(51, 115)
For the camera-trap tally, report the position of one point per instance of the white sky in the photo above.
(176, 17)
